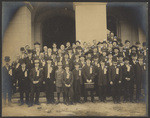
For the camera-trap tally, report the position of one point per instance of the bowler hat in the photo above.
(36, 43)
(22, 49)
(7, 59)
(137, 43)
(127, 41)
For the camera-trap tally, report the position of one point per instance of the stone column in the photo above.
(90, 20)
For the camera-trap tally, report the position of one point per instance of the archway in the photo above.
(54, 25)
(58, 29)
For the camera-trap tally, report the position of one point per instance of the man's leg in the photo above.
(37, 95)
(27, 97)
(32, 95)
(85, 95)
(131, 90)
(9, 97)
(92, 95)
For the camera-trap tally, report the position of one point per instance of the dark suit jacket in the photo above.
(33, 76)
(127, 74)
(52, 74)
(87, 75)
(6, 80)
(69, 80)
(77, 80)
(112, 74)
(102, 78)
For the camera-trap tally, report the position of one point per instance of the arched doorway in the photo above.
(54, 25)
(58, 29)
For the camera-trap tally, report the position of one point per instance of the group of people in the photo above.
(101, 69)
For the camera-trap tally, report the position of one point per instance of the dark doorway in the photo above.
(112, 24)
(58, 29)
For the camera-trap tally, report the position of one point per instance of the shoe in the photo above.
(37, 103)
(30, 105)
(21, 104)
(71, 103)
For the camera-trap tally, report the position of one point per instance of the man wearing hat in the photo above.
(77, 82)
(7, 80)
(36, 46)
(104, 55)
(59, 76)
(24, 83)
(121, 48)
(95, 53)
(29, 61)
(128, 80)
(36, 75)
(59, 55)
(115, 51)
(88, 79)
(109, 60)
(79, 50)
(102, 81)
(126, 48)
(104, 47)
(68, 45)
(115, 79)
(70, 54)
(96, 65)
(62, 47)
(66, 61)
(49, 78)
(133, 50)
(114, 44)
(37, 53)
(78, 43)
(77, 60)
(68, 85)
(74, 48)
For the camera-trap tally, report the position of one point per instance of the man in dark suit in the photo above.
(88, 76)
(24, 83)
(68, 85)
(128, 80)
(49, 78)
(140, 71)
(102, 81)
(77, 82)
(36, 75)
(115, 79)
(7, 80)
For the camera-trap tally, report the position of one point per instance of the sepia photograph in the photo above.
(74, 59)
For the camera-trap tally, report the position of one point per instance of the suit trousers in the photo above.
(102, 92)
(128, 90)
(49, 89)
(86, 94)
(35, 89)
(68, 91)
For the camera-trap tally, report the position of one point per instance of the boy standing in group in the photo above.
(59, 77)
